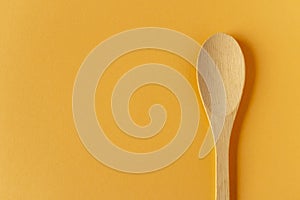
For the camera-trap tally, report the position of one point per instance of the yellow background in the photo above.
(42, 44)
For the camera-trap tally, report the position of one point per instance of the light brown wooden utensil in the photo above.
(228, 57)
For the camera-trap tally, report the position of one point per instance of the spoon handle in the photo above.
(222, 170)
(222, 160)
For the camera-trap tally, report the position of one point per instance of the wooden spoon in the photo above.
(228, 57)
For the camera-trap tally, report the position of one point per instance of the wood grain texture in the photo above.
(229, 59)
